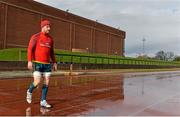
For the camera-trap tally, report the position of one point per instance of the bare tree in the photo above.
(160, 55)
(170, 56)
(166, 56)
(177, 58)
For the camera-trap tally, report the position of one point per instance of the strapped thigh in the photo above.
(37, 74)
(47, 74)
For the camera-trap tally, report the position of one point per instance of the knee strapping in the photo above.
(37, 74)
(47, 74)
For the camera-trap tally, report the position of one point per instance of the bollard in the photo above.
(71, 69)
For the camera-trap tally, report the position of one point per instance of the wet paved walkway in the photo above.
(100, 95)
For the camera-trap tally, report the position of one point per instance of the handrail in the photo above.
(92, 59)
(109, 60)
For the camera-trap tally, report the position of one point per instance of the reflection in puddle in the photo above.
(96, 95)
(165, 76)
(42, 110)
(80, 92)
(28, 111)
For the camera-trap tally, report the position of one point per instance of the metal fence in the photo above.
(76, 58)
(72, 58)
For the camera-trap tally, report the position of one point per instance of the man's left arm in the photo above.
(53, 58)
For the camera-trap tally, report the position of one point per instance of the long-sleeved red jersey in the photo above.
(41, 48)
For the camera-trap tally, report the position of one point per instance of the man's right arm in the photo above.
(31, 50)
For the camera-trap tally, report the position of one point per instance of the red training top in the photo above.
(41, 48)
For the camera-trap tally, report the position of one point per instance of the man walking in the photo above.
(41, 53)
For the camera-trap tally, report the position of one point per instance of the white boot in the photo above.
(45, 104)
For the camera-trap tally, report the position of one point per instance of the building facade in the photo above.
(19, 19)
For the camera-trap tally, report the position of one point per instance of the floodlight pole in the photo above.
(143, 46)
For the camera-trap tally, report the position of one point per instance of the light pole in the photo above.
(143, 51)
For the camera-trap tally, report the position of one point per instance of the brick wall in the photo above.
(19, 19)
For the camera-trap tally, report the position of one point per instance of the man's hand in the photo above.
(55, 66)
(30, 65)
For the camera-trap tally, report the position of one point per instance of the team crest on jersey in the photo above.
(45, 44)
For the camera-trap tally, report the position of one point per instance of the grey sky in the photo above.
(158, 21)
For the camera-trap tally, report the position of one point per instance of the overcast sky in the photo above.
(158, 21)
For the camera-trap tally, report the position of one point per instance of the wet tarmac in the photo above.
(96, 95)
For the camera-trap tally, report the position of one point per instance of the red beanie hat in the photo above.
(44, 23)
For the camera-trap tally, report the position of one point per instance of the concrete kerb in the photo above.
(129, 73)
(27, 74)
